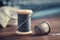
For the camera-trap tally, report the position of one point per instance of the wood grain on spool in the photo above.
(24, 11)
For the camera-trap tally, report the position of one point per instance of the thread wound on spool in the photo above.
(26, 26)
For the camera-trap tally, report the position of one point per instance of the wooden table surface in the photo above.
(55, 28)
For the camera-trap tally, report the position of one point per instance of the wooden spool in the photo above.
(25, 28)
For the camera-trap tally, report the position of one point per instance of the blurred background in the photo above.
(41, 8)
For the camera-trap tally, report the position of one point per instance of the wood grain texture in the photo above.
(55, 28)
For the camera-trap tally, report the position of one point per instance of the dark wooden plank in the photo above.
(9, 32)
